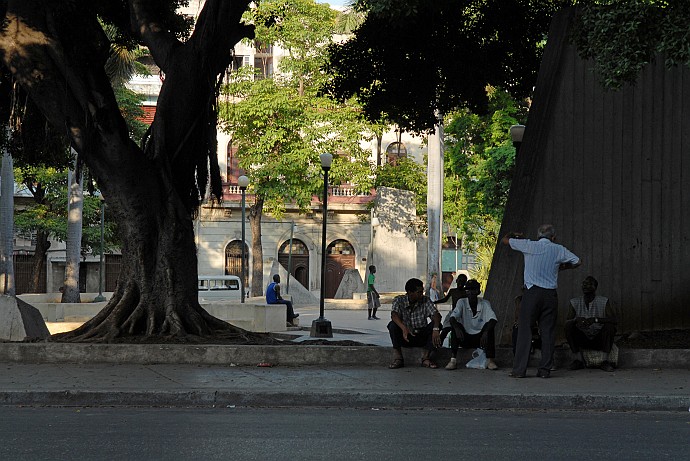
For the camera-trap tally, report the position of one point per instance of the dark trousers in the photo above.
(290, 311)
(422, 337)
(468, 341)
(577, 340)
(538, 304)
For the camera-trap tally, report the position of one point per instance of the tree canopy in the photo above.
(411, 57)
(623, 36)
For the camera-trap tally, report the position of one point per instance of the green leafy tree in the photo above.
(405, 174)
(623, 36)
(280, 125)
(479, 165)
(47, 215)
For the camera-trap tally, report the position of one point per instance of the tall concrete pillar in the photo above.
(434, 200)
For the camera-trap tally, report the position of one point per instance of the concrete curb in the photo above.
(286, 355)
(379, 400)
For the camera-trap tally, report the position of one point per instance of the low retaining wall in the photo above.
(258, 317)
(286, 355)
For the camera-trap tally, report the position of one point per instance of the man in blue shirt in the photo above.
(543, 260)
(273, 297)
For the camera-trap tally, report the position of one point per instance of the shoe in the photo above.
(294, 316)
(453, 364)
(491, 365)
(576, 365)
(606, 366)
(371, 318)
(375, 318)
(428, 363)
(544, 374)
(397, 363)
(516, 375)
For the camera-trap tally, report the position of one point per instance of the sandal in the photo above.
(397, 363)
(427, 363)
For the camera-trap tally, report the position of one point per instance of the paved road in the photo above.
(337, 434)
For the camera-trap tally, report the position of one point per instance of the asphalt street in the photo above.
(337, 434)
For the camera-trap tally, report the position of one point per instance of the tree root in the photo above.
(132, 318)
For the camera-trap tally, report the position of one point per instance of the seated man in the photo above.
(591, 324)
(273, 297)
(409, 326)
(472, 321)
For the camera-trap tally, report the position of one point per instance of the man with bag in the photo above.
(472, 322)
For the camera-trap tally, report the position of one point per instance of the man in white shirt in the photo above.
(543, 260)
(472, 322)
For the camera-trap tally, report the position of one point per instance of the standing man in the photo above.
(410, 327)
(273, 297)
(373, 301)
(543, 260)
(591, 324)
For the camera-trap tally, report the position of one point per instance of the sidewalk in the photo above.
(324, 376)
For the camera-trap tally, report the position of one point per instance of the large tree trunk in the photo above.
(57, 52)
(255, 214)
(75, 206)
(39, 260)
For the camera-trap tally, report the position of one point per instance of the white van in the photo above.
(219, 287)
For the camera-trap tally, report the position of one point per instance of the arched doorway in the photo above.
(233, 261)
(300, 260)
(340, 255)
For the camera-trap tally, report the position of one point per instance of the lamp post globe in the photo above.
(516, 134)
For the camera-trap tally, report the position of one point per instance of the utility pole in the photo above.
(434, 200)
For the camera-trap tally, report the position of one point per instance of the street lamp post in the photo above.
(321, 328)
(292, 233)
(100, 298)
(243, 182)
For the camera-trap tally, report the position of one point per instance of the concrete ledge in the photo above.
(286, 355)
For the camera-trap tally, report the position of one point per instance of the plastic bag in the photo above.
(478, 359)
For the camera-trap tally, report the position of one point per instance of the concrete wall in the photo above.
(395, 240)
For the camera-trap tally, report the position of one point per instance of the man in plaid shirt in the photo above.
(410, 327)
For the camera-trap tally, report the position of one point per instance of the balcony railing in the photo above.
(335, 191)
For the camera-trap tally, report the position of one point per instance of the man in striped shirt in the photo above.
(543, 260)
